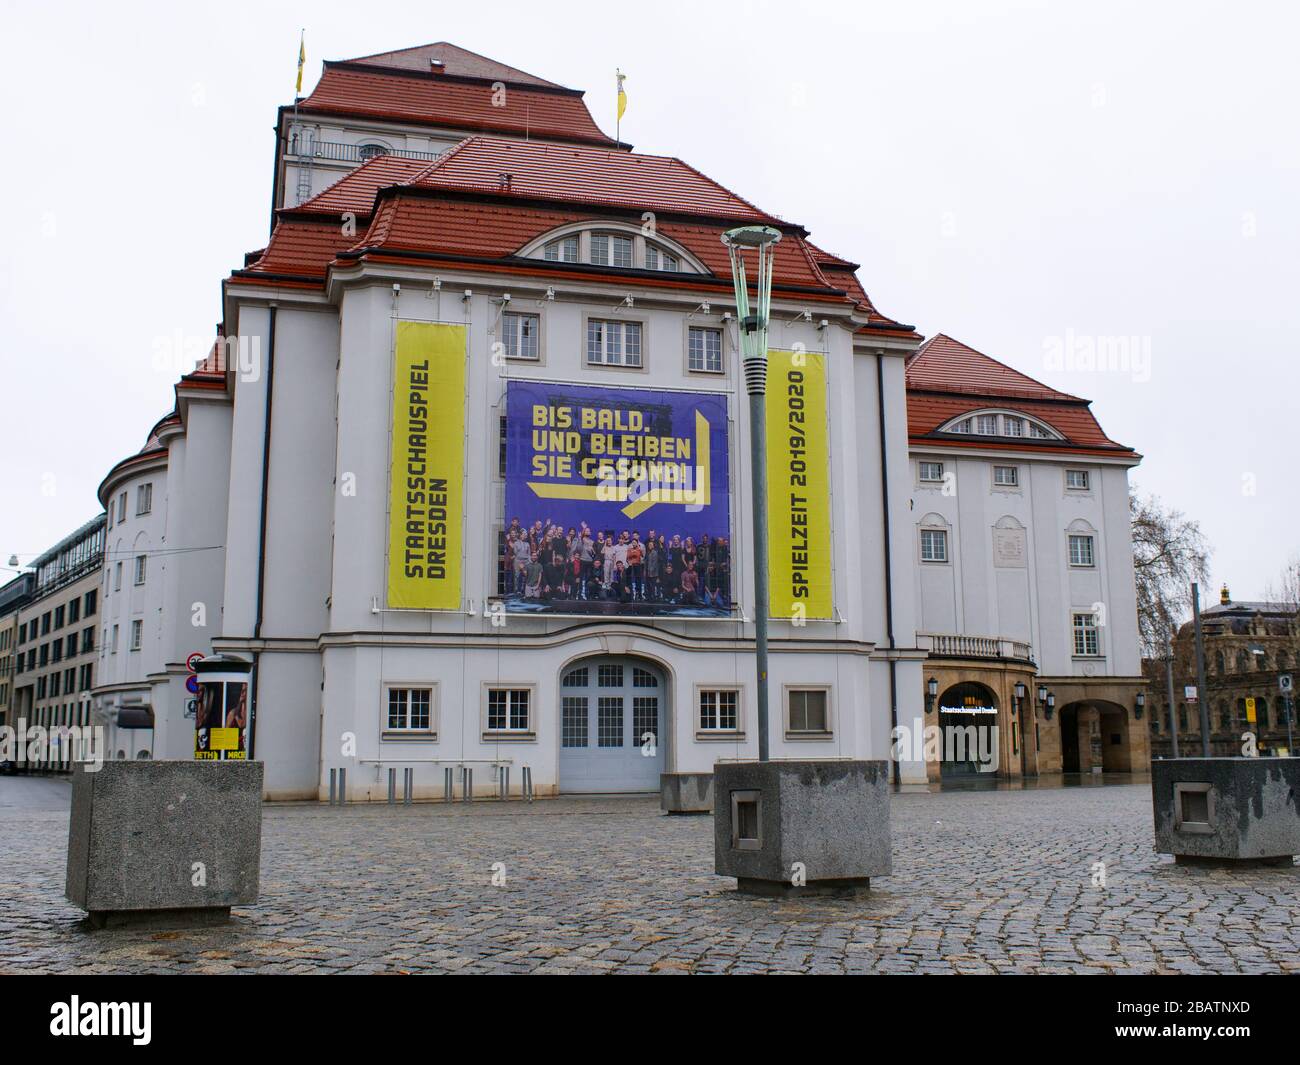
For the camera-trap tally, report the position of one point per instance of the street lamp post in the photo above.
(753, 345)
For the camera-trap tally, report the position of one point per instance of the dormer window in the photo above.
(564, 250)
(999, 423)
(609, 249)
(369, 151)
(659, 260)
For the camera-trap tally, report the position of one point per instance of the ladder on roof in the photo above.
(307, 148)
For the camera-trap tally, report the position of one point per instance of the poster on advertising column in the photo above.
(617, 502)
(427, 467)
(798, 486)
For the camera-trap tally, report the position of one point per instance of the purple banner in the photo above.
(617, 501)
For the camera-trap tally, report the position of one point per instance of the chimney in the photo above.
(437, 66)
(1224, 598)
(503, 182)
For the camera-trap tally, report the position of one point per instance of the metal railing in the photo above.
(335, 151)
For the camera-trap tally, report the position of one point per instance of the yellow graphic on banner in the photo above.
(427, 467)
(798, 486)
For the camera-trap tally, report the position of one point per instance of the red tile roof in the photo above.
(437, 100)
(947, 378)
(456, 61)
(589, 176)
(356, 191)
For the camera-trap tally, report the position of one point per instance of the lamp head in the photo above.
(751, 237)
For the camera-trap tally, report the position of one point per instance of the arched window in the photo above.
(1261, 712)
(1000, 423)
(369, 151)
(1218, 663)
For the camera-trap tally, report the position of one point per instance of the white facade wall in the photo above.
(990, 587)
(327, 647)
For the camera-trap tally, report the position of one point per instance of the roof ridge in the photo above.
(931, 345)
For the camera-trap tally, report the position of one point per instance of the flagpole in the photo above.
(618, 110)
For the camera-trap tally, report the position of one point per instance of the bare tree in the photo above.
(1286, 589)
(1169, 553)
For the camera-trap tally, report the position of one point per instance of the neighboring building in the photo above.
(12, 598)
(1023, 565)
(1248, 646)
(162, 585)
(54, 667)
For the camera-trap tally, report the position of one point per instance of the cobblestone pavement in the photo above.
(985, 881)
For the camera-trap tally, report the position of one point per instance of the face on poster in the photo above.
(617, 501)
(221, 720)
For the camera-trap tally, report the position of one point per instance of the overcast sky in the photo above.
(1032, 179)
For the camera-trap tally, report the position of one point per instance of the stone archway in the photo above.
(1095, 737)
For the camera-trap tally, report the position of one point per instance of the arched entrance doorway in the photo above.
(968, 723)
(612, 715)
(1095, 737)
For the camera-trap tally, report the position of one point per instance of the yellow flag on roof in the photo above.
(622, 95)
(302, 58)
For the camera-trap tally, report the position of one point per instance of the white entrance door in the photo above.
(611, 724)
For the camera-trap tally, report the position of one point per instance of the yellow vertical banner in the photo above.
(798, 486)
(427, 467)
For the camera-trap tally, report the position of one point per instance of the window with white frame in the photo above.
(1081, 553)
(121, 508)
(986, 425)
(655, 259)
(610, 249)
(507, 709)
(144, 499)
(1006, 476)
(934, 545)
(613, 343)
(410, 709)
(564, 250)
(117, 576)
(719, 710)
(704, 350)
(1076, 480)
(1086, 641)
(1039, 432)
(141, 561)
(807, 710)
(1012, 426)
(519, 335)
(931, 471)
(137, 634)
(960, 427)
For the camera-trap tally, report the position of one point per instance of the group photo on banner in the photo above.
(617, 502)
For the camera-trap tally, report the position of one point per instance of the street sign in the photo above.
(1250, 710)
(1284, 683)
(1189, 693)
(193, 657)
(192, 684)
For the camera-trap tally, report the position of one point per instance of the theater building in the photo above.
(475, 441)
(1023, 567)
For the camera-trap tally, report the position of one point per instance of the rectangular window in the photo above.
(932, 471)
(144, 499)
(121, 508)
(519, 334)
(611, 343)
(117, 577)
(609, 676)
(140, 562)
(986, 425)
(1081, 551)
(704, 350)
(609, 249)
(719, 710)
(92, 603)
(22, 632)
(1076, 480)
(410, 709)
(54, 685)
(573, 722)
(74, 611)
(507, 710)
(109, 523)
(1086, 643)
(564, 250)
(609, 721)
(137, 634)
(645, 720)
(71, 645)
(87, 640)
(1012, 426)
(58, 651)
(808, 710)
(45, 623)
(934, 545)
(1006, 476)
(59, 614)
(87, 679)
